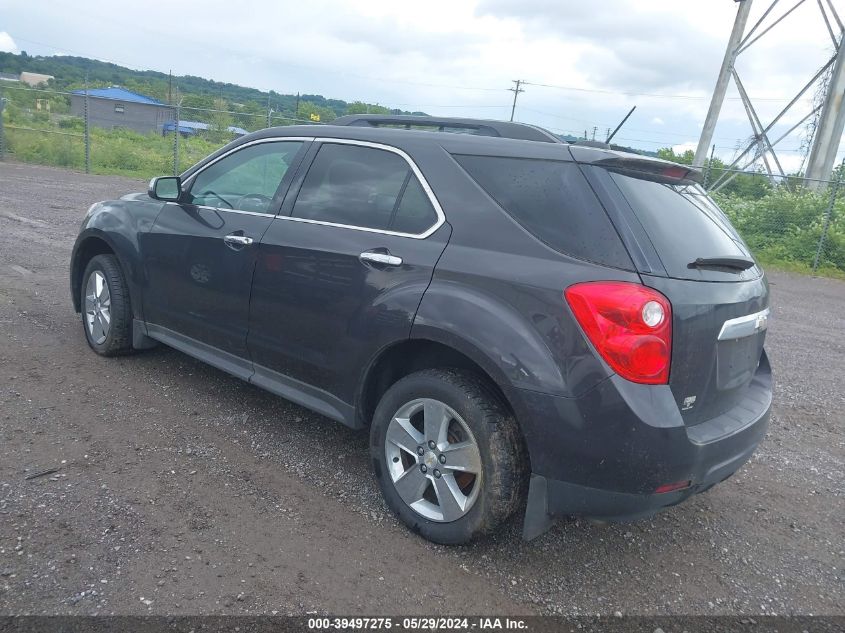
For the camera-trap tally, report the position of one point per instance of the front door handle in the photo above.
(237, 242)
(385, 259)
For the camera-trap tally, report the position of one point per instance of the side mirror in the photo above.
(167, 188)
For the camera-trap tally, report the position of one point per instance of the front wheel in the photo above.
(448, 457)
(106, 313)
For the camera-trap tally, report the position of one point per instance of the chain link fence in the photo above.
(114, 136)
(789, 221)
(793, 222)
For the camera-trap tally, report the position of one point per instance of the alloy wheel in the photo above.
(97, 307)
(433, 460)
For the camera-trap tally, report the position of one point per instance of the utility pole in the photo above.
(170, 88)
(296, 113)
(2, 134)
(831, 125)
(269, 110)
(515, 92)
(722, 82)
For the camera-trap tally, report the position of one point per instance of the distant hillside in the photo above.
(196, 91)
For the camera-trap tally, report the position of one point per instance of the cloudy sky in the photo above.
(458, 57)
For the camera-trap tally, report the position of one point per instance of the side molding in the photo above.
(317, 400)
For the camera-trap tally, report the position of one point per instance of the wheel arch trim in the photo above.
(77, 265)
(426, 335)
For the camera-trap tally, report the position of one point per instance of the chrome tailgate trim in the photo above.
(744, 325)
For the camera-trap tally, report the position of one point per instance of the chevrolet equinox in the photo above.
(520, 323)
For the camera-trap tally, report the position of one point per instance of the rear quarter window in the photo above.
(553, 201)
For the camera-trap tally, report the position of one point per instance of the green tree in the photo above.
(205, 102)
(251, 116)
(667, 153)
(750, 185)
(307, 109)
(219, 118)
(359, 107)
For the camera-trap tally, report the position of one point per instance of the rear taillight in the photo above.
(629, 325)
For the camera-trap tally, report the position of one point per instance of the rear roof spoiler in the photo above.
(480, 127)
(651, 168)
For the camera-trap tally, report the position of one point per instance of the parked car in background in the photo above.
(193, 128)
(516, 321)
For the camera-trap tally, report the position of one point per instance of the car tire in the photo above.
(106, 311)
(454, 506)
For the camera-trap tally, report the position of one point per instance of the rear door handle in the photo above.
(385, 259)
(237, 242)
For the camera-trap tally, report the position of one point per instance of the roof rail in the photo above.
(480, 127)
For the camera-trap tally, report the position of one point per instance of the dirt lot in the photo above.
(182, 490)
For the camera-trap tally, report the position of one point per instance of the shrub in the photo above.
(46, 149)
(787, 225)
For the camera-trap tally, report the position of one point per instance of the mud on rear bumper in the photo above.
(609, 468)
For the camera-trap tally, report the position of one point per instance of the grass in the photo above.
(112, 152)
(799, 268)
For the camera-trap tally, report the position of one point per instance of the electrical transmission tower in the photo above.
(761, 146)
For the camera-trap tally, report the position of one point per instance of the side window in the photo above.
(246, 180)
(364, 187)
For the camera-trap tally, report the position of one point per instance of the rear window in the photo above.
(553, 201)
(682, 222)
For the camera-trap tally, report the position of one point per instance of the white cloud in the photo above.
(685, 147)
(7, 44)
(615, 53)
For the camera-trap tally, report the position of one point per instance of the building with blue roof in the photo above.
(116, 107)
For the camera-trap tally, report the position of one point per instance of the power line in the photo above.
(670, 133)
(640, 94)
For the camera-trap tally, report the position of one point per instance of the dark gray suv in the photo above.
(520, 323)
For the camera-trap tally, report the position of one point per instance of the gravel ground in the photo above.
(182, 490)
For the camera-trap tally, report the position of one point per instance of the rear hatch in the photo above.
(685, 247)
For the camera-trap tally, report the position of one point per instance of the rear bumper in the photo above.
(605, 454)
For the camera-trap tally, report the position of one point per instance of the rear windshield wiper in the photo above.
(737, 263)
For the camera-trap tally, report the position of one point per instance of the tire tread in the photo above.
(119, 340)
(505, 483)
